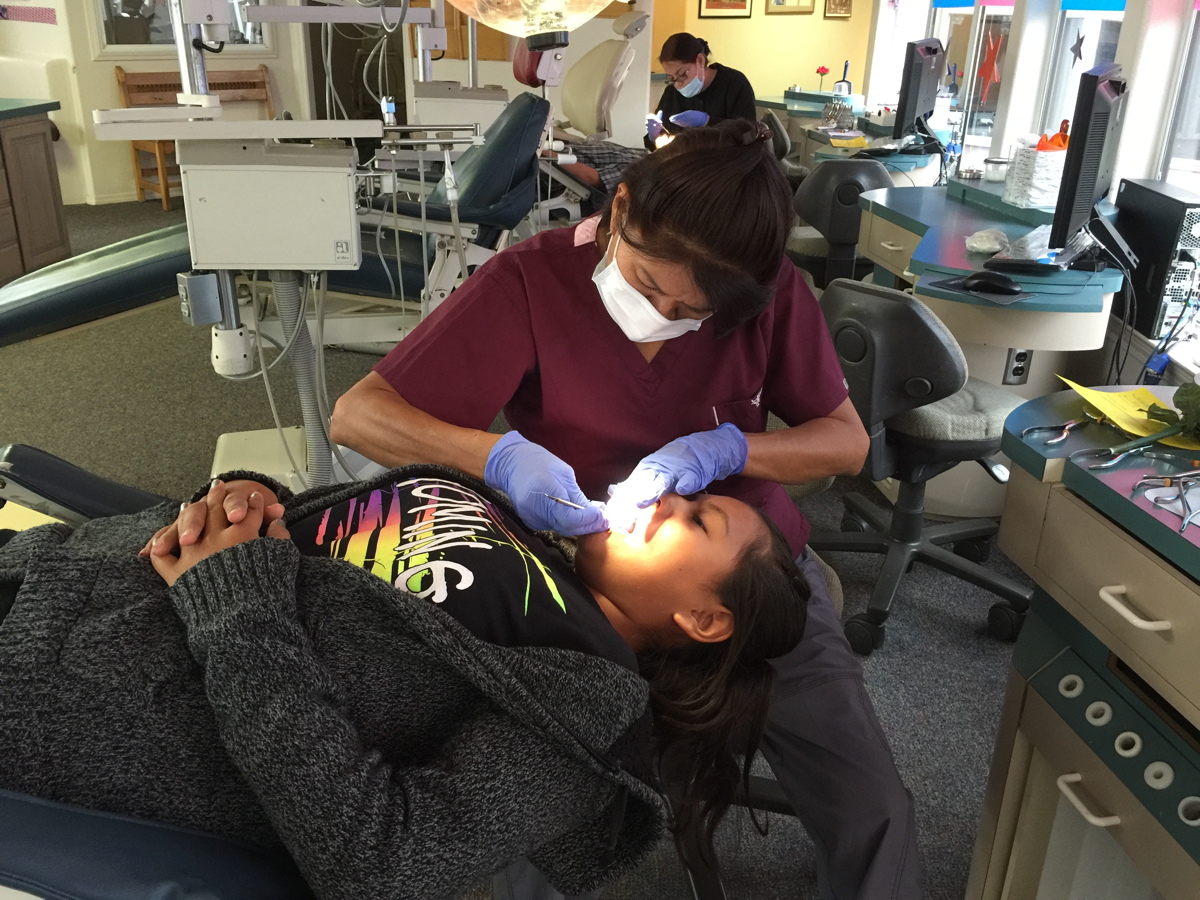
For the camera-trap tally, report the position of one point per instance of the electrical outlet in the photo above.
(1016, 368)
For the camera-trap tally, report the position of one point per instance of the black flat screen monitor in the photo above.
(1091, 152)
(924, 62)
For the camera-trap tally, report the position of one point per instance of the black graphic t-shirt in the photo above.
(443, 542)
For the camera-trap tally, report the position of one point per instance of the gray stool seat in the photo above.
(975, 413)
(908, 382)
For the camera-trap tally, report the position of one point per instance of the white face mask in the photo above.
(636, 315)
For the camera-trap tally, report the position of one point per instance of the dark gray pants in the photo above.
(827, 750)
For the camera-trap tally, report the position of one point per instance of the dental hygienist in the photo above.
(654, 339)
(695, 83)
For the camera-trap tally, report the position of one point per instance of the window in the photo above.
(1086, 36)
(974, 82)
(127, 22)
(1182, 164)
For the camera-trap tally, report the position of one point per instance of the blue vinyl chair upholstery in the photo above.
(65, 852)
(112, 279)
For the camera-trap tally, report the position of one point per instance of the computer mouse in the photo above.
(988, 282)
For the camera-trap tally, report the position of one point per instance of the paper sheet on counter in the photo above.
(1126, 409)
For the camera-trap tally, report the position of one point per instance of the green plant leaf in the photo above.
(1187, 401)
(1158, 413)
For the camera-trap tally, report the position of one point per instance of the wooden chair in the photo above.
(159, 89)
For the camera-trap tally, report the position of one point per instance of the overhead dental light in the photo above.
(543, 23)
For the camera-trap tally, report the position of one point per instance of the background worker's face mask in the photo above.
(636, 315)
(693, 87)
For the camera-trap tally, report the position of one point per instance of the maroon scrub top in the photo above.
(528, 334)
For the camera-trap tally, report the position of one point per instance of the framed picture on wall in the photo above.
(789, 7)
(724, 9)
(837, 9)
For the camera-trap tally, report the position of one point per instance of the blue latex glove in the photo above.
(689, 118)
(687, 465)
(528, 472)
(654, 125)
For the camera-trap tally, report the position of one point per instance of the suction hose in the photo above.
(304, 365)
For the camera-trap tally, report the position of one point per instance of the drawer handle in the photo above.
(1109, 596)
(888, 245)
(1064, 783)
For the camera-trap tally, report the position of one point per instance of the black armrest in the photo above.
(65, 852)
(47, 484)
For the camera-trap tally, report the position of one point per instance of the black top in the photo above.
(729, 96)
(442, 541)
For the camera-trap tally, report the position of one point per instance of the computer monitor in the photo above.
(924, 62)
(1091, 151)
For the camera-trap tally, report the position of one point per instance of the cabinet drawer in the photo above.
(8, 226)
(10, 263)
(1145, 610)
(890, 245)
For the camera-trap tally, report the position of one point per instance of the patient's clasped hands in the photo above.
(229, 514)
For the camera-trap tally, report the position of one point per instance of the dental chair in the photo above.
(781, 145)
(827, 200)
(589, 91)
(103, 282)
(67, 852)
(496, 190)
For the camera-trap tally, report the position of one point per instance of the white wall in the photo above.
(892, 28)
(1153, 41)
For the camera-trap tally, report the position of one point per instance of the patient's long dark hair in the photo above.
(710, 701)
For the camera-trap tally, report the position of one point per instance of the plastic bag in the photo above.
(990, 240)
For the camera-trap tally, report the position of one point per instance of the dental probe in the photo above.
(564, 502)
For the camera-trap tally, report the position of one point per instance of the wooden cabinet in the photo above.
(33, 231)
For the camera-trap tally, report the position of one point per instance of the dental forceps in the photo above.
(1064, 430)
(1186, 513)
(1104, 453)
(1174, 480)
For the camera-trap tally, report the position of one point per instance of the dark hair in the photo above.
(684, 47)
(715, 200)
(710, 701)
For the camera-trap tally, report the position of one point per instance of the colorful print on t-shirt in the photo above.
(425, 536)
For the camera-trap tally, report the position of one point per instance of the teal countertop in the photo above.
(945, 219)
(12, 109)
(1106, 489)
(812, 106)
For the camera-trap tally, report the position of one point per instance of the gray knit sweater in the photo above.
(281, 699)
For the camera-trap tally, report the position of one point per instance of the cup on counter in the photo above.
(995, 168)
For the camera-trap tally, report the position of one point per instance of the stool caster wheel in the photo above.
(1003, 622)
(976, 550)
(864, 635)
(852, 522)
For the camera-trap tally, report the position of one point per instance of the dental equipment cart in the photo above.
(1094, 790)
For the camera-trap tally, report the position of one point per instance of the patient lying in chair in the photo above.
(394, 681)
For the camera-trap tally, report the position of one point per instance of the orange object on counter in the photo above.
(1058, 141)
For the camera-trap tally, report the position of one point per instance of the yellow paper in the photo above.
(858, 141)
(1126, 410)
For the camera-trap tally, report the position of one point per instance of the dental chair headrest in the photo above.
(631, 24)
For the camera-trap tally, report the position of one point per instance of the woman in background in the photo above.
(694, 83)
